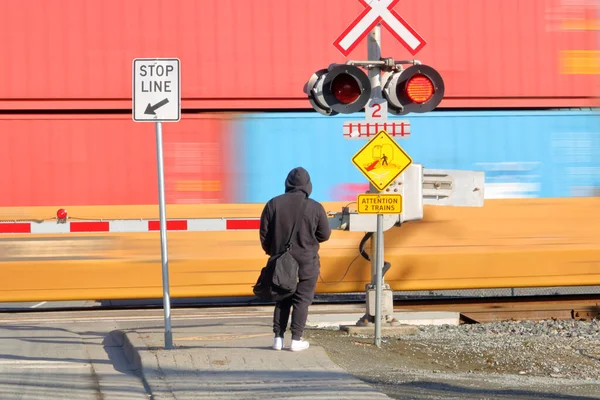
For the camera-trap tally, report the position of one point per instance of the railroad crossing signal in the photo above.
(346, 89)
(381, 160)
(379, 11)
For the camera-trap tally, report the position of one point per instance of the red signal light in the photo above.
(419, 89)
(345, 88)
(338, 89)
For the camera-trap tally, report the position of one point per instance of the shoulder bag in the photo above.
(279, 278)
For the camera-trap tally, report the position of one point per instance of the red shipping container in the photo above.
(77, 54)
(110, 160)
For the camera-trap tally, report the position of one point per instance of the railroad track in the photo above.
(472, 310)
(534, 308)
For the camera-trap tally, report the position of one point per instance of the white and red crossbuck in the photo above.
(379, 11)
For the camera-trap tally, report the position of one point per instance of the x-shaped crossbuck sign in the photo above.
(377, 11)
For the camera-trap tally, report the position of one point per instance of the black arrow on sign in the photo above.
(150, 109)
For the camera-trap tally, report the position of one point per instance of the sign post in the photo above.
(374, 53)
(381, 161)
(157, 98)
(369, 22)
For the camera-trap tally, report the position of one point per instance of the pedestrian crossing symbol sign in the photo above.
(381, 160)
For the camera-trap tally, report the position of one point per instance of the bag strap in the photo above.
(296, 223)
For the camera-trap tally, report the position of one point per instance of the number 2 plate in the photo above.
(376, 110)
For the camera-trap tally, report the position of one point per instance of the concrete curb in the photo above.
(131, 350)
(338, 320)
(144, 361)
(131, 353)
(386, 331)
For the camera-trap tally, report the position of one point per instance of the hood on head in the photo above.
(298, 180)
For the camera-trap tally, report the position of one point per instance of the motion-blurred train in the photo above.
(521, 92)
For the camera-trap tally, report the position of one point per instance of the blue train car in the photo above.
(546, 154)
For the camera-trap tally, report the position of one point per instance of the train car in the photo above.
(524, 154)
(539, 225)
(74, 54)
(224, 159)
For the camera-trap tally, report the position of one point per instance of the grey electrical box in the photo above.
(387, 301)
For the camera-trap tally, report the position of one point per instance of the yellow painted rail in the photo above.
(507, 243)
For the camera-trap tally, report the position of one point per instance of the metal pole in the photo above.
(163, 237)
(379, 285)
(374, 54)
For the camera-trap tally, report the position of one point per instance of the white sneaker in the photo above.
(278, 343)
(299, 345)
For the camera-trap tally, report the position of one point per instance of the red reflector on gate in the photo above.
(89, 226)
(181, 225)
(243, 224)
(15, 228)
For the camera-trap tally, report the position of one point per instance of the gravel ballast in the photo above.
(569, 349)
(543, 357)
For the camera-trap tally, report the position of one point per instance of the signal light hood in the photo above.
(340, 89)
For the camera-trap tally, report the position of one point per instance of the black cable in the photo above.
(345, 273)
(361, 248)
(361, 252)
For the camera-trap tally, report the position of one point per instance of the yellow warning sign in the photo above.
(379, 204)
(381, 160)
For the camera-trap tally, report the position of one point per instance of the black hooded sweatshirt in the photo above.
(277, 221)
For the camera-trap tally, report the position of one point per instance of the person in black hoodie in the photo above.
(276, 223)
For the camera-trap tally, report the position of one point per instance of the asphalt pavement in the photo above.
(100, 354)
(58, 361)
(220, 353)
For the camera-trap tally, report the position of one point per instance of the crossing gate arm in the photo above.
(67, 226)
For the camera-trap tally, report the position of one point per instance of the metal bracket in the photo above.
(386, 64)
(418, 187)
(354, 222)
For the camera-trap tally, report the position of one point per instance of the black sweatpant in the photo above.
(301, 299)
